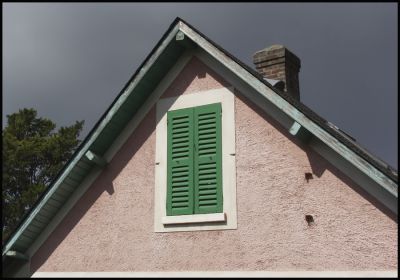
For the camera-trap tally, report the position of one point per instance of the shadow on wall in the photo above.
(317, 163)
(104, 183)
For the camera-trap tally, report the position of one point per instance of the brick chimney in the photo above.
(278, 63)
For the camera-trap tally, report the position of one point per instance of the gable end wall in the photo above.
(111, 228)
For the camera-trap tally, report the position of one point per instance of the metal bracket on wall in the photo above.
(184, 40)
(95, 158)
(294, 129)
(300, 132)
(180, 36)
(17, 255)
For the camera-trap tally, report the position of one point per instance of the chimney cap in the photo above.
(271, 48)
(275, 51)
(274, 47)
(276, 63)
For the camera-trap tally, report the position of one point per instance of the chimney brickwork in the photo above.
(278, 63)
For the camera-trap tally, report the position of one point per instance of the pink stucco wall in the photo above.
(111, 227)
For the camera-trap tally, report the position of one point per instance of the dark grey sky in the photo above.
(69, 61)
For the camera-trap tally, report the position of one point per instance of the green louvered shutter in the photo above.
(180, 181)
(208, 159)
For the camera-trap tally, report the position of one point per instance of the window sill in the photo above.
(190, 219)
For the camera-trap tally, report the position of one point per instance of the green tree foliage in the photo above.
(33, 154)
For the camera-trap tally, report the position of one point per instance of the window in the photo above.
(195, 184)
(194, 164)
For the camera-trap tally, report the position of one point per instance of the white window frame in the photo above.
(215, 221)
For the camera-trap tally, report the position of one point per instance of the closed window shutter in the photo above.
(208, 159)
(194, 165)
(180, 181)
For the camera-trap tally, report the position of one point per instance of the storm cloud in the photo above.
(69, 61)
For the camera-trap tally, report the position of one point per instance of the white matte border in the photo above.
(220, 274)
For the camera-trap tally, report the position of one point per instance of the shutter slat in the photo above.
(207, 126)
(180, 194)
(181, 140)
(206, 131)
(208, 159)
(208, 137)
(208, 188)
(206, 192)
(179, 145)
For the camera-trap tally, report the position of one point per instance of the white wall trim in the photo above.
(226, 97)
(220, 274)
(199, 218)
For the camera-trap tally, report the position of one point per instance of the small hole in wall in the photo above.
(308, 176)
(201, 74)
(309, 220)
